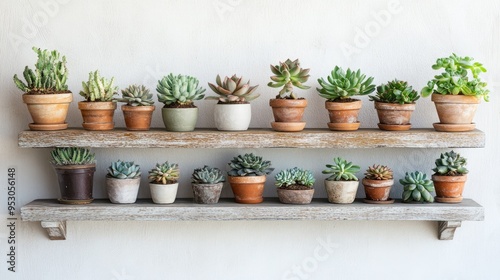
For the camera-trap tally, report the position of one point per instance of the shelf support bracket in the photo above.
(447, 229)
(55, 230)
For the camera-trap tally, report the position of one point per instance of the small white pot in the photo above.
(341, 191)
(122, 190)
(232, 116)
(163, 194)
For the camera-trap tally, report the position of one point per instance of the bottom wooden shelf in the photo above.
(53, 215)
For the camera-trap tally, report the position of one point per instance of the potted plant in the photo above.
(164, 182)
(377, 183)
(178, 93)
(99, 107)
(75, 169)
(207, 183)
(247, 177)
(233, 111)
(122, 181)
(342, 185)
(456, 92)
(394, 102)
(417, 188)
(139, 108)
(288, 108)
(339, 91)
(295, 186)
(45, 91)
(450, 177)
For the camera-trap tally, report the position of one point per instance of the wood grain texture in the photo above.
(55, 230)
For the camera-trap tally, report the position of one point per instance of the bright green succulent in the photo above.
(417, 187)
(249, 165)
(207, 175)
(395, 92)
(341, 170)
(451, 164)
(136, 95)
(294, 176)
(378, 172)
(72, 156)
(124, 170)
(287, 75)
(164, 173)
(180, 90)
(344, 85)
(98, 88)
(233, 90)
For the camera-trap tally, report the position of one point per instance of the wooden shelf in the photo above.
(53, 215)
(253, 138)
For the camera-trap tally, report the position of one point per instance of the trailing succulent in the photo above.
(395, 92)
(249, 165)
(164, 173)
(341, 170)
(460, 76)
(207, 175)
(233, 90)
(136, 95)
(287, 75)
(72, 156)
(98, 88)
(293, 178)
(378, 172)
(179, 91)
(124, 170)
(344, 85)
(417, 187)
(50, 74)
(451, 164)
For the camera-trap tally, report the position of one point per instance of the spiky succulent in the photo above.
(294, 176)
(179, 90)
(344, 85)
(451, 164)
(378, 172)
(50, 74)
(164, 173)
(124, 170)
(98, 88)
(417, 187)
(72, 156)
(233, 90)
(249, 165)
(341, 170)
(136, 95)
(395, 92)
(287, 75)
(207, 175)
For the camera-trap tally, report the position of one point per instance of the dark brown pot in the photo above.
(393, 116)
(138, 117)
(377, 190)
(449, 188)
(295, 196)
(343, 115)
(247, 189)
(97, 115)
(76, 183)
(206, 193)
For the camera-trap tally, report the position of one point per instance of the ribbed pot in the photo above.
(122, 190)
(76, 183)
(232, 117)
(455, 109)
(393, 114)
(163, 194)
(295, 196)
(48, 111)
(137, 117)
(247, 189)
(97, 115)
(449, 188)
(377, 190)
(343, 115)
(207, 193)
(341, 192)
(180, 119)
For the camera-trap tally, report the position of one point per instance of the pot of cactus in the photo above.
(207, 183)
(339, 90)
(288, 108)
(395, 102)
(45, 90)
(342, 185)
(417, 188)
(163, 184)
(122, 181)
(99, 107)
(178, 93)
(247, 178)
(139, 108)
(75, 169)
(295, 186)
(450, 177)
(377, 183)
(456, 92)
(232, 111)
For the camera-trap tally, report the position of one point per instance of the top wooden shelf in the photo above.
(252, 138)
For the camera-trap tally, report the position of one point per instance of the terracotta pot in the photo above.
(341, 192)
(377, 190)
(232, 117)
(455, 111)
(97, 115)
(288, 114)
(75, 183)
(138, 117)
(343, 115)
(48, 111)
(247, 189)
(163, 194)
(393, 116)
(180, 119)
(449, 188)
(295, 196)
(206, 193)
(122, 190)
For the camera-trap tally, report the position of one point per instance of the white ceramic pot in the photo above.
(341, 191)
(122, 190)
(163, 194)
(232, 116)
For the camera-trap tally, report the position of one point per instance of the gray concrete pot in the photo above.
(206, 193)
(122, 190)
(295, 196)
(341, 191)
(180, 119)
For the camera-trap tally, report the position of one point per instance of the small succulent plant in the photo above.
(207, 175)
(249, 165)
(395, 92)
(344, 85)
(179, 91)
(72, 156)
(136, 95)
(233, 90)
(124, 170)
(164, 173)
(378, 172)
(287, 75)
(98, 88)
(451, 164)
(417, 187)
(294, 177)
(341, 170)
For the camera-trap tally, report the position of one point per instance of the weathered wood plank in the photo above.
(446, 229)
(55, 230)
(253, 138)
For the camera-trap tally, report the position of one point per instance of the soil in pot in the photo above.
(48, 111)
(122, 190)
(343, 114)
(299, 195)
(138, 117)
(207, 193)
(97, 115)
(449, 189)
(394, 116)
(76, 183)
(247, 189)
(341, 192)
(377, 191)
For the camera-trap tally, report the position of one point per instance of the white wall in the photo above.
(139, 41)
